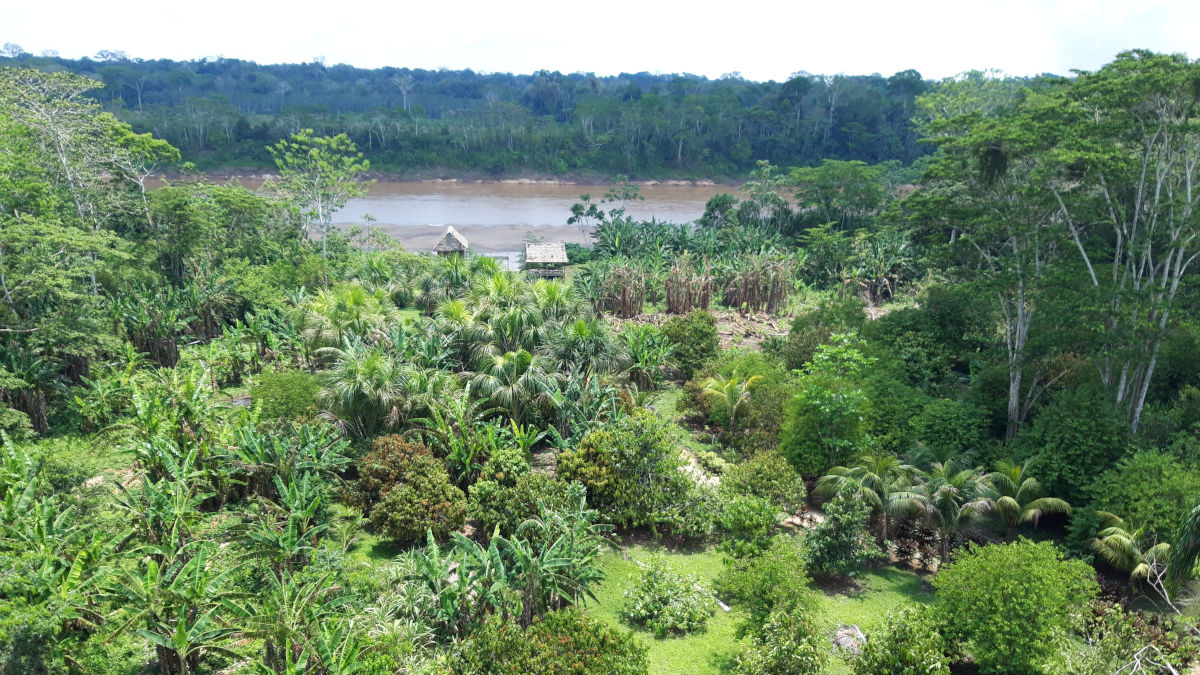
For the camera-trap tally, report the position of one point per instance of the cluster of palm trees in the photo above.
(527, 351)
(946, 495)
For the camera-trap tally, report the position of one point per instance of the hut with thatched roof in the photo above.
(546, 260)
(451, 244)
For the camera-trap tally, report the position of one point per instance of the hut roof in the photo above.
(546, 253)
(452, 242)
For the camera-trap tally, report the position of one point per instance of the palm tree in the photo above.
(517, 383)
(950, 497)
(881, 480)
(1128, 548)
(1017, 497)
(349, 310)
(362, 390)
(1185, 551)
(585, 346)
(732, 391)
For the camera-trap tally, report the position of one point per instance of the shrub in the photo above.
(491, 503)
(908, 644)
(788, 644)
(695, 339)
(1076, 435)
(630, 468)
(425, 500)
(841, 544)
(764, 583)
(758, 419)
(667, 602)
(561, 643)
(1007, 604)
(1148, 488)
(748, 524)
(695, 515)
(287, 395)
(506, 465)
(812, 329)
(769, 476)
(950, 428)
(824, 423)
(381, 469)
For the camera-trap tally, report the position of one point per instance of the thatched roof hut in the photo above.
(451, 244)
(546, 260)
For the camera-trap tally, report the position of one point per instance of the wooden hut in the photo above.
(451, 244)
(546, 260)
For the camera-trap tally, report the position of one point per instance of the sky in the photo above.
(760, 40)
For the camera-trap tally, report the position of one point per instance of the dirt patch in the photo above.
(733, 329)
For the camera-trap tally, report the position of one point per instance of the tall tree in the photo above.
(320, 174)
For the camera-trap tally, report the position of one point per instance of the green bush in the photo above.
(630, 468)
(949, 428)
(506, 465)
(695, 516)
(788, 644)
(425, 500)
(764, 583)
(758, 418)
(1008, 604)
(824, 424)
(491, 503)
(1149, 488)
(382, 468)
(812, 329)
(769, 476)
(695, 339)
(288, 395)
(667, 602)
(561, 643)
(1076, 436)
(841, 544)
(29, 640)
(908, 644)
(747, 524)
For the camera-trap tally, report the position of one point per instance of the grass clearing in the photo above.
(879, 591)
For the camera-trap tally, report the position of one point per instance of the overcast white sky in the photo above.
(760, 39)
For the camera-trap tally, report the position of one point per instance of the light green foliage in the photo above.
(694, 337)
(908, 644)
(761, 584)
(825, 419)
(566, 642)
(769, 476)
(1007, 604)
(667, 602)
(1149, 488)
(319, 174)
(840, 545)
(812, 329)
(879, 479)
(630, 468)
(286, 395)
(788, 644)
(748, 524)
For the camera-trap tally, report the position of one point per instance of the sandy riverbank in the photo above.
(483, 238)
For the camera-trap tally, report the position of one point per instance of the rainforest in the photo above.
(916, 393)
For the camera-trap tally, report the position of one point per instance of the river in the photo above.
(497, 217)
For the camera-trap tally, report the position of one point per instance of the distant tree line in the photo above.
(224, 112)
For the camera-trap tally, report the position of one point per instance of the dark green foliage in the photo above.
(948, 428)
(841, 544)
(567, 642)
(747, 524)
(1005, 604)
(1075, 435)
(789, 643)
(758, 418)
(1148, 488)
(29, 637)
(286, 395)
(630, 468)
(666, 601)
(825, 423)
(813, 329)
(695, 339)
(381, 469)
(491, 503)
(908, 644)
(769, 476)
(761, 584)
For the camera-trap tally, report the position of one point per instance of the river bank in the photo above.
(257, 176)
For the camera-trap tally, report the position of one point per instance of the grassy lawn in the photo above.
(713, 651)
(710, 651)
(407, 315)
